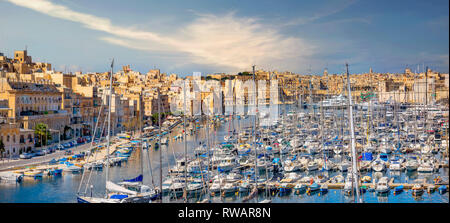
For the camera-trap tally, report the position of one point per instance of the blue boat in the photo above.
(384, 157)
(367, 157)
(398, 189)
(314, 187)
(442, 189)
(56, 172)
(53, 161)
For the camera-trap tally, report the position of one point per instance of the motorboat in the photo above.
(193, 187)
(285, 188)
(10, 177)
(337, 179)
(343, 166)
(233, 177)
(33, 173)
(324, 188)
(244, 186)
(230, 187)
(312, 165)
(398, 189)
(290, 166)
(425, 167)
(348, 187)
(412, 165)
(72, 169)
(215, 186)
(417, 190)
(291, 177)
(395, 165)
(299, 187)
(382, 186)
(378, 166)
(313, 187)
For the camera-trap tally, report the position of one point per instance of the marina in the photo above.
(290, 166)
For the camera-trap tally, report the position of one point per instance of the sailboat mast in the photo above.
(109, 125)
(141, 133)
(352, 132)
(184, 138)
(254, 136)
(159, 141)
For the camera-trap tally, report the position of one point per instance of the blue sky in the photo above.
(213, 36)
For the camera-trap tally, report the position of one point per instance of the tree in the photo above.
(66, 128)
(41, 130)
(163, 116)
(2, 149)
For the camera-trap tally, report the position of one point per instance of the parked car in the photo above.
(25, 156)
(60, 147)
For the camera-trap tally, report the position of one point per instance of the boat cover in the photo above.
(118, 196)
(367, 156)
(136, 179)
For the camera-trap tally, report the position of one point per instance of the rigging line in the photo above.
(150, 166)
(95, 155)
(92, 143)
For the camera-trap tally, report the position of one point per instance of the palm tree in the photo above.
(41, 130)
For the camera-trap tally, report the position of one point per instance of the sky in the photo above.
(217, 36)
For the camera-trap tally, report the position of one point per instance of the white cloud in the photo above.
(226, 41)
(325, 12)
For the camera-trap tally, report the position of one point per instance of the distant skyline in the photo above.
(214, 36)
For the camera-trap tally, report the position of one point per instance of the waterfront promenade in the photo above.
(58, 154)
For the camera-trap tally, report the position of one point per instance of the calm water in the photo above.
(63, 189)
